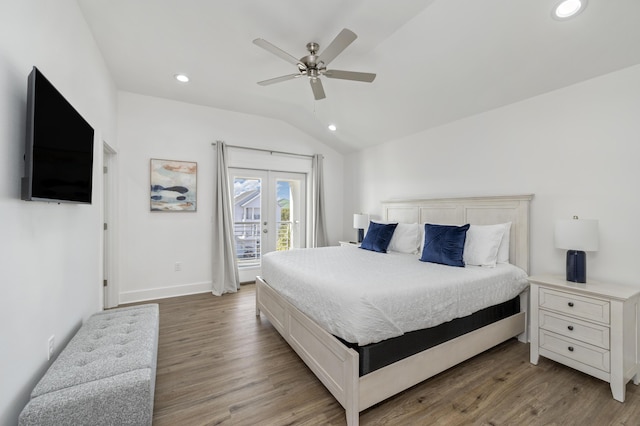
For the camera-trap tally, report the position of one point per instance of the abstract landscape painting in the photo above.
(173, 185)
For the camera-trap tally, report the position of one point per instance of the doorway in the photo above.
(269, 214)
(109, 282)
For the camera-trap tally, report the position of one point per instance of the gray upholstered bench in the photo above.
(105, 375)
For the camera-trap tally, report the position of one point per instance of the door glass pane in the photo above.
(246, 220)
(283, 215)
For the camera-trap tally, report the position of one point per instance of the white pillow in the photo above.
(503, 251)
(406, 238)
(482, 244)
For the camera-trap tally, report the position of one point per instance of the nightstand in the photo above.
(590, 327)
(349, 244)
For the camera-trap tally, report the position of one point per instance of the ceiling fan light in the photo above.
(332, 127)
(566, 9)
(182, 78)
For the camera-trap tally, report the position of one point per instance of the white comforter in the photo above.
(365, 297)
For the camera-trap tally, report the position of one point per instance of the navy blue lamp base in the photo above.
(360, 235)
(576, 266)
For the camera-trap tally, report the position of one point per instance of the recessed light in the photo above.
(182, 78)
(332, 127)
(566, 9)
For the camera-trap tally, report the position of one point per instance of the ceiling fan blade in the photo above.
(318, 90)
(278, 79)
(278, 52)
(342, 40)
(350, 75)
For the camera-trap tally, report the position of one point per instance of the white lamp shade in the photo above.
(361, 221)
(577, 234)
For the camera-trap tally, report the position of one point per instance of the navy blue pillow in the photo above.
(444, 244)
(378, 236)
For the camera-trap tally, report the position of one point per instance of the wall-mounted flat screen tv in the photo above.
(58, 148)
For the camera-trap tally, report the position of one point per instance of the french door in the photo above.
(268, 213)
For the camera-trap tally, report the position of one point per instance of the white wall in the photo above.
(576, 149)
(50, 257)
(152, 242)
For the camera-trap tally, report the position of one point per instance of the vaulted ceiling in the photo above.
(436, 61)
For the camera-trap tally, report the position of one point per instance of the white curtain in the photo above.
(318, 225)
(225, 277)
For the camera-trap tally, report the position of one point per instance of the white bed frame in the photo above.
(337, 366)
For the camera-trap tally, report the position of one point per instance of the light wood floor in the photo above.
(220, 364)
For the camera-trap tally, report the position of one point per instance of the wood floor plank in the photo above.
(219, 364)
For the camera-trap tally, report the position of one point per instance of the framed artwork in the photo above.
(173, 185)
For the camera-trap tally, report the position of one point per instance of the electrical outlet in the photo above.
(178, 266)
(50, 344)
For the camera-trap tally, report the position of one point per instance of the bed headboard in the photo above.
(473, 210)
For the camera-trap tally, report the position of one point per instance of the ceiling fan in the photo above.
(314, 65)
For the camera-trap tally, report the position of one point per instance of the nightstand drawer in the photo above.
(572, 304)
(574, 350)
(593, 334)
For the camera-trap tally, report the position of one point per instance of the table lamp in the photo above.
(577, 236)
(360, 222)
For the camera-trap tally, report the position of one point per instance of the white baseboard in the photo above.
(164, 292)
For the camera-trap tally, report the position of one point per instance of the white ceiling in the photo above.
(436, 60)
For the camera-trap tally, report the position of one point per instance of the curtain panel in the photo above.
(318, 222)
(225, 277)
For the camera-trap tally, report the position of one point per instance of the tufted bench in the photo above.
(105, 375)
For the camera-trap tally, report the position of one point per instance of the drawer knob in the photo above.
(570, 304)
(570, 328)
(570, 348)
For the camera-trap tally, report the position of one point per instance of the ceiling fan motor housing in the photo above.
(312, 61)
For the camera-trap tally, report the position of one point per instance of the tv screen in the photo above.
(59, 147)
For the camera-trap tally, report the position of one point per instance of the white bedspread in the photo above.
(365, 297)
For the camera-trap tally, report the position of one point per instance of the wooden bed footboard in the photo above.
(337, 365)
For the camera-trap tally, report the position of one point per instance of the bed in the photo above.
(343, 362)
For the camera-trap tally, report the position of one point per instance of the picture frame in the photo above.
(173, 185)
